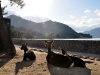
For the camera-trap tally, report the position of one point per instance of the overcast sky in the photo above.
(81, 15)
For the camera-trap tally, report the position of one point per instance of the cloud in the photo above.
(83, 24)
(12, 11)
(32, 8)
(91, 22)
(36, 18)
(71, 16)
(4, 2)
(97, 12)
(87, 11)
(84, 17)
(25, 15)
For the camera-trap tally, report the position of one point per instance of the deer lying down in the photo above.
(57, 59)
(28, 53)
(77, 61)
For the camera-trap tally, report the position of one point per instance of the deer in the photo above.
(77, 61)
(27, 53)
(57, 59)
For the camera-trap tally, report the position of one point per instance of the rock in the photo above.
(41, 50)
(92, 58)
(97, 59)
(85, 57)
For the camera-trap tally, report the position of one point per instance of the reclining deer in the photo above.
(57, 59)
(28, 53)
(77, 61)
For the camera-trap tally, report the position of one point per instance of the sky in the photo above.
(81, 15)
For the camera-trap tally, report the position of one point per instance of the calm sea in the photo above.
(82, 39)
(96, 39)
(91, 39)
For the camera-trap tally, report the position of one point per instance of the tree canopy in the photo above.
(12, 2)
(18, 2)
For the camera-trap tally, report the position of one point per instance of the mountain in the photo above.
(94, 32)
(58, 29)
(36, 18)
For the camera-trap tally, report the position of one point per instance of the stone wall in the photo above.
(7, 22)
(87, 46)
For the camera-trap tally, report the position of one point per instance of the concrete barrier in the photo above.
(86, 46)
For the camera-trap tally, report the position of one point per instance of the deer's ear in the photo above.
(52, 41)
(45, 41)
(25, 44)
(59, 47)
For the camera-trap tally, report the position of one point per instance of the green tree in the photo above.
(5, 40)
(16, 33)
(29, 34)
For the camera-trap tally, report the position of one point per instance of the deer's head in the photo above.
(24, 45)
(48, 43)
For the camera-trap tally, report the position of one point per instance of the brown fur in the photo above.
(57, 59)
(28, 53)
(77, 61)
